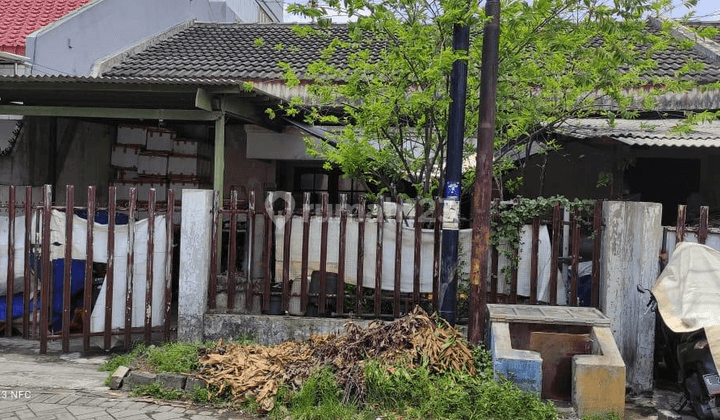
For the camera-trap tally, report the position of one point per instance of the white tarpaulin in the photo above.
(407, 255)
(688, 292)
(19, 260)
(100, 240)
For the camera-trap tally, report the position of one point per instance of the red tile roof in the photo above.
(20, 18)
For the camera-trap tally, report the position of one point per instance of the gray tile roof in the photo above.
(642, 132)
(216, 50)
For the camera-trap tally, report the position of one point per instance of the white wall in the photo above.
(72, 44)
(247, 10)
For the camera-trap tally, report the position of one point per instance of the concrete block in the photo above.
(194, 262)
(136, 378)
(117, 378)
(192, 383)
(598, 380)
(522, 367)
(170, 380)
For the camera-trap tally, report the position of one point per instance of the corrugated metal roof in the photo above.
(643, 132)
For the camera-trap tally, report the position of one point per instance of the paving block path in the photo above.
(57, 404)
(69, 387)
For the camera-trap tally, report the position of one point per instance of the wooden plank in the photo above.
(513, 279)
(305, 250)
(534, 260)
(27, 271)
(87, 295)
(249, 249)
(67, 273)
(436, 253)
(216, 220)
(680, 224)
(110, 276)
(494, 259)
(597, 244)
(398, 256)
(341, 255)
(232, 251)
(129, 273)
(361, 256)
(287, 215)
(170, 232)
(46, 277)
(703, 228)
(323, 256)
(10, 279)
(555, 254)
(150, 265)
(417, 259)
(379, 260)
(575, 256)
(267, 251)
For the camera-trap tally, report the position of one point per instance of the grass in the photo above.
(396, 393)
(413, 393)
(606, 416)
(171, 357)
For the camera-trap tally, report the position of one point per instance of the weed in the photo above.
(125, 359)
(156, 390)
(319, 398)
(174, 357)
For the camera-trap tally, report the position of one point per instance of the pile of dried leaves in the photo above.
(257, 371)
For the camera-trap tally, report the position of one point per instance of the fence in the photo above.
(376, 260)
(91, 271)
(700, 232)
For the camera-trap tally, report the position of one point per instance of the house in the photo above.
(181, 80)
(68, 36)
(186, 69)
(648, 158)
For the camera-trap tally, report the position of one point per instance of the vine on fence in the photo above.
(508, 217)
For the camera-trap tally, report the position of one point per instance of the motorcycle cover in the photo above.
(688, 293)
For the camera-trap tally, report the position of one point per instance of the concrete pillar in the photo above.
(195, 237)
(631, 243)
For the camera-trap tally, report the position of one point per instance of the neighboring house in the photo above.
(642, 159)
(182, 80)
(68, 36)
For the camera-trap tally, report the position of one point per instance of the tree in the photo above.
(391, 94)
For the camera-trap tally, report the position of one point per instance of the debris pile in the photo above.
(257, 371)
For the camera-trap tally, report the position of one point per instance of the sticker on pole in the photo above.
(451, 215)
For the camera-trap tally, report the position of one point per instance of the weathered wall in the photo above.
(252, 174)
(28, 163)
(83, 158)
(195, 234)
(72, 44)
(573, 172)
(631, 243)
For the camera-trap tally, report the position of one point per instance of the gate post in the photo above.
(631, 242)
(195, 234)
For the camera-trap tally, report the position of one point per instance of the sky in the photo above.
(705, 10)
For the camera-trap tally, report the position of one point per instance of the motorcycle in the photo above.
(689, 353)
(684, 295)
